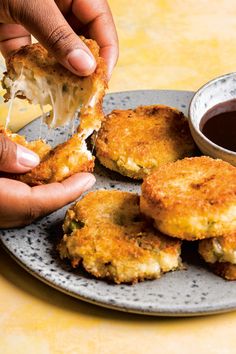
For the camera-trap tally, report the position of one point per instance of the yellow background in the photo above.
(164, 44)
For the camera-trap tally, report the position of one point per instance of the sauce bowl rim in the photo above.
(196, 126)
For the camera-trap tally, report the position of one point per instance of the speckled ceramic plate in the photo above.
(190, 292)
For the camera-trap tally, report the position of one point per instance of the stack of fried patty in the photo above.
(195, 199)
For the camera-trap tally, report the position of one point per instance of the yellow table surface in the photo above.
(164, 44)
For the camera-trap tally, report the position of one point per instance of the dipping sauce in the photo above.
(219, 125)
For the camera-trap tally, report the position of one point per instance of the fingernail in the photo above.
(26, 158)
(81, 61)
(88, 180)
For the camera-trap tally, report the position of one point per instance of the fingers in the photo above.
(110, 54)
(13, 197)
(45, 21)
(12, 37)
(50, 197)
(15, 158)
(20, 204)
(97, 16)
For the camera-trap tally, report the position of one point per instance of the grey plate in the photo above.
(190, 292)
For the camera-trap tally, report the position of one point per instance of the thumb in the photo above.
(45, 21)
(16, 158)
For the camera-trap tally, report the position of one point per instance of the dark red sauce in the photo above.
(219, 125)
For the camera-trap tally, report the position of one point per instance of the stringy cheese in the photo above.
(65, 101)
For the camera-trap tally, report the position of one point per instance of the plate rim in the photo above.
(123, 309)
(210, 310)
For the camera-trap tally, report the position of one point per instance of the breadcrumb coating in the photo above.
(225, 270)
(105, 233)
(220, 254)
(134, 142)
(193, 198)
(33, 73)
(38, 146)
(56, 164)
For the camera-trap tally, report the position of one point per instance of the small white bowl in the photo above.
(218, 90)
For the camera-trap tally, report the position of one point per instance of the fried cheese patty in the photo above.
(38, 146)
(35, 74)
(193, 198)
(135, 142)
(55, 164)
(105, 232)
(220, 254)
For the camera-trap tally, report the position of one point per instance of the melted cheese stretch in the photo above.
(65, 101)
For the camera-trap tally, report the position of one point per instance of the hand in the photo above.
(20, 204)
(56, 24)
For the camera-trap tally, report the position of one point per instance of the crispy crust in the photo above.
(38, 146)
(135, 142)
(220, 249)
(56, 164)
(220, 255)
(224, 270)
(41, 64)
(191, 199)
(36, 56)
(32, 66)
(105, 232)
(60, 163)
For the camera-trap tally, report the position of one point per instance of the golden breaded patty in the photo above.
(60, 163)
(135, 142)
(56, 164)
(220, 254)
(192, 199)
(105, 232)
(35, 74)
(38, 146)
(224, 270)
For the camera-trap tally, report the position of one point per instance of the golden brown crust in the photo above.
(56, 164)
(105, 232)
(220, 249)
(224, 270)
(38, 146)
(193, 198)
(38, 58)
(61, 162)
(38, 63)
(220, 255)
(134, 142)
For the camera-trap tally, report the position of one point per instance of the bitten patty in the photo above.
(56, 164)
(35, 74)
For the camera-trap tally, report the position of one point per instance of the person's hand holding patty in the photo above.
(21, 204)
(56, 25)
